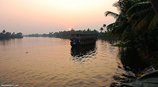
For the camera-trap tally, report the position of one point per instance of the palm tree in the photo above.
(3, 31)
(104, 25)
(135, 26)
(101, 29)
(120, 27)
(142, 16)
(134, 15)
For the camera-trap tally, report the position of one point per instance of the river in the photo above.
(51, 62)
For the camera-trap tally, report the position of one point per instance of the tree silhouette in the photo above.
(104, 25)
(8, 35)
(135, 31)
(101, 29)
(3, 31)
(155, 5)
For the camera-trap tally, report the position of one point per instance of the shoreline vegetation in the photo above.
(135, 32)
(8, 35)
(67, 34)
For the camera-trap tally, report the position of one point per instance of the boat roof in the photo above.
(82, 33)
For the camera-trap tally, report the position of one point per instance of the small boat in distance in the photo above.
(82, 39)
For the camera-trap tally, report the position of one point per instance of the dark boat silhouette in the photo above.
(80, 51)
(78, 39)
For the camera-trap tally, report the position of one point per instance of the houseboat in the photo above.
(78, 39)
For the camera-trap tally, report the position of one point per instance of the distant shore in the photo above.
(8, 35)
(67, 34)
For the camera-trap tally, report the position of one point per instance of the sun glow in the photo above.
(54, 14)
(72, 4)
(71, 12)
(66, 5)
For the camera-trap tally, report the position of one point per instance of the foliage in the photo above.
(67, 34)
(8, 35)
(135, 31)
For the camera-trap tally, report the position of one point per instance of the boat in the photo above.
(83, 51)
(80, 39)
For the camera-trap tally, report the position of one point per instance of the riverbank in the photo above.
(67, 34)
(8, 35)
(130, 79)
(136, 33)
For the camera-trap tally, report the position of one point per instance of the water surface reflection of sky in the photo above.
(51, 62)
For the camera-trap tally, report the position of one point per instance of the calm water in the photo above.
(50, 62)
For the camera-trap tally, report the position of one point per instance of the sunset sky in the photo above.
(43, 16)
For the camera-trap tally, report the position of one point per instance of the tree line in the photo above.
(67, 34)
(8, 35)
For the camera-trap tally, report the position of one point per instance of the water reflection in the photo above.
(4, 42)
(51, 62)
(10, 42)
(81, 52)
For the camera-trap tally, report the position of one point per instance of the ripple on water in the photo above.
(77, 83)
(49, 64)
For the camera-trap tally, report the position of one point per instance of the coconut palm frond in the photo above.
(117, 29)
(139, 7)
(154, 5)
(154, 22)
(144, 23)
(110, 26)
(139, 15)
(115, 15)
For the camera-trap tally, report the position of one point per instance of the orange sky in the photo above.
(43, 16)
